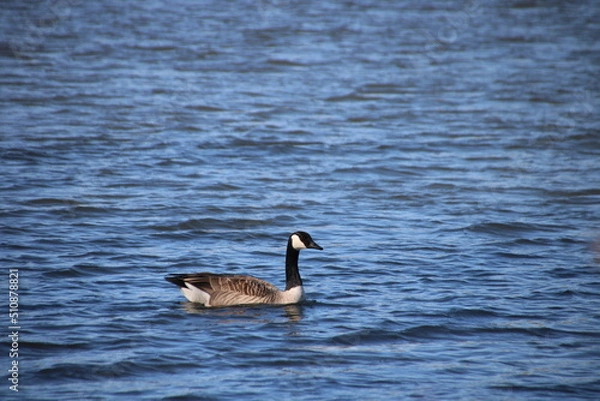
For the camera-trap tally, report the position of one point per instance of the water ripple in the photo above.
(446, 158)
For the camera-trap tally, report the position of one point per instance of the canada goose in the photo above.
(229, 289)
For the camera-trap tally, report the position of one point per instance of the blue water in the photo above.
(445, 154)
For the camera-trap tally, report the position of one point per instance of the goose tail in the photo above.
(177, 279)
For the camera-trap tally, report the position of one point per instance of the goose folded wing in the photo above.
(234, 289)
(231, 283)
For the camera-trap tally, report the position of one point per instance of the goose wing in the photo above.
(228, 289)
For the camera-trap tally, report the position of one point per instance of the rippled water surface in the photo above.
(446, 155)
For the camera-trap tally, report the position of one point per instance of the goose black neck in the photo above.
(292, 275)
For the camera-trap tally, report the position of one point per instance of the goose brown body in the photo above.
(226, 289)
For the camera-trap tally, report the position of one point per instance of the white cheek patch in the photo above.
(297, 243)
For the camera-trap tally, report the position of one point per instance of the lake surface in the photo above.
(446, 154)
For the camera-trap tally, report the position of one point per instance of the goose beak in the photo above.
(313, 245)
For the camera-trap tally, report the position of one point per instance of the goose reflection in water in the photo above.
(254, 314)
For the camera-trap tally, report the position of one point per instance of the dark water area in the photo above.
(445, 154)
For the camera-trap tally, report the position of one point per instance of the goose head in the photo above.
(302, 240)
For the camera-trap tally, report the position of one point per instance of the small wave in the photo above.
(589, 388)
(428, 332)
(154, 47)
(79, 270)
(55, 346)
(445, 331)
(285, 62)
(515, 255)
(98, 370)
(207, 225)
(349, 97)
(499, 228)
(206, 108)
(51, 202)
(365, 336)
(471, 313)
(90, 371)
